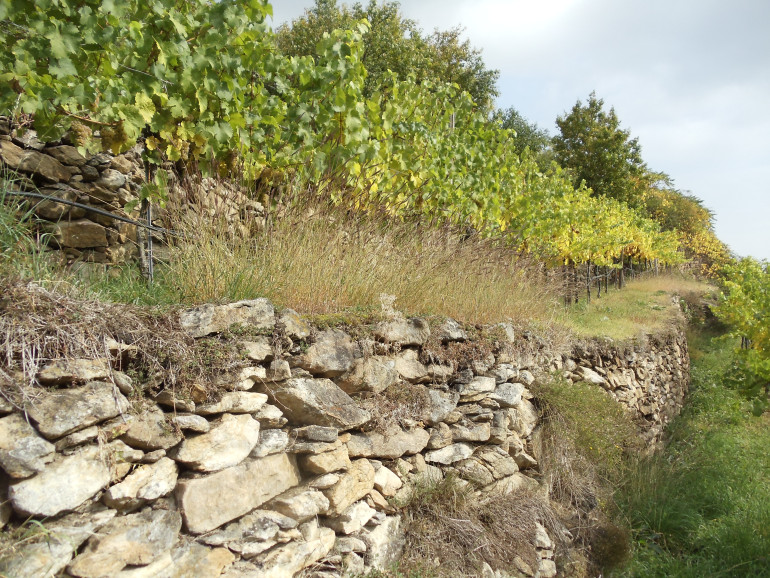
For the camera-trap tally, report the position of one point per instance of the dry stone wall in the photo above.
(291, 470)
(59, 170)
(110, 183)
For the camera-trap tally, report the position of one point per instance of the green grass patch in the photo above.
(702, 507)
(643, 306)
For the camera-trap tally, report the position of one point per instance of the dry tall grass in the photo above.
(322, 260)
(450, 531)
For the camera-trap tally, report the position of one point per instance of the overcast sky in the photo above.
(689, 78)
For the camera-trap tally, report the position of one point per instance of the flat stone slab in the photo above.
(213, 500)
(23, 453)
(393, 443)
(307, 401)
(208, 319)
(228, 443)
(63, 485)
(61, 412)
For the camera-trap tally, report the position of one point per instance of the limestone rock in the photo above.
(475, 472)
(440, 373)
(542, 539)
(290, 558)
(293, 326)
(324, 482)
(345, 544)
(524, 418)
(151, 431)
(332, 354)
(524, 460)
(353, 485)
(218, 498)
(300, 503)
(375, 374)
(252, 534)
(271, 441)
(269, 417)
(451, 330)
(507, 394)
(478, 388)
(207, 319)
(317, 401)
(60, 412)
(259, 350)
(526, 378)
(386, 482)
(79, 234)
(467, 431)
(317, 433)
(547, 569)
(278, 370)
(394, 443)
(23, 453)
(47, 558)
(513, 483)
(234, 402)
(352, 519)
(504, 372)
(191, 422)
(442, 403)
(591, 376)
(409, 367)
(135, 539)
(247, 378)
(384, 544)
(193, 560)
(66, 371)
(62, 485)
(403, 332)
(167, 398)
(450, 454)
(229, 442)
(440, 437)
(326, 462)
(497, 461)
(306, 447)
(144, 484)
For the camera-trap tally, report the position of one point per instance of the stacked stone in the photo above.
(650, 377)
(279, 474)
(107, 182)
(102, 181)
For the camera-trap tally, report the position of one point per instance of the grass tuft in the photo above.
(451, 531)
(644, 306)
(323, 260)
(702, 507)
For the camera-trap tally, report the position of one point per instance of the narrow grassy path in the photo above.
(701, 508)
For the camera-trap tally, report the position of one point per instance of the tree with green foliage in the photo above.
(528, 135)
(694, 223)
(394, 43)
(452, 59)
(593, 146)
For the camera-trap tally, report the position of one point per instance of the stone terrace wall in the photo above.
(107, 182)
(649, 377)
(102, 181)
(282, 473)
